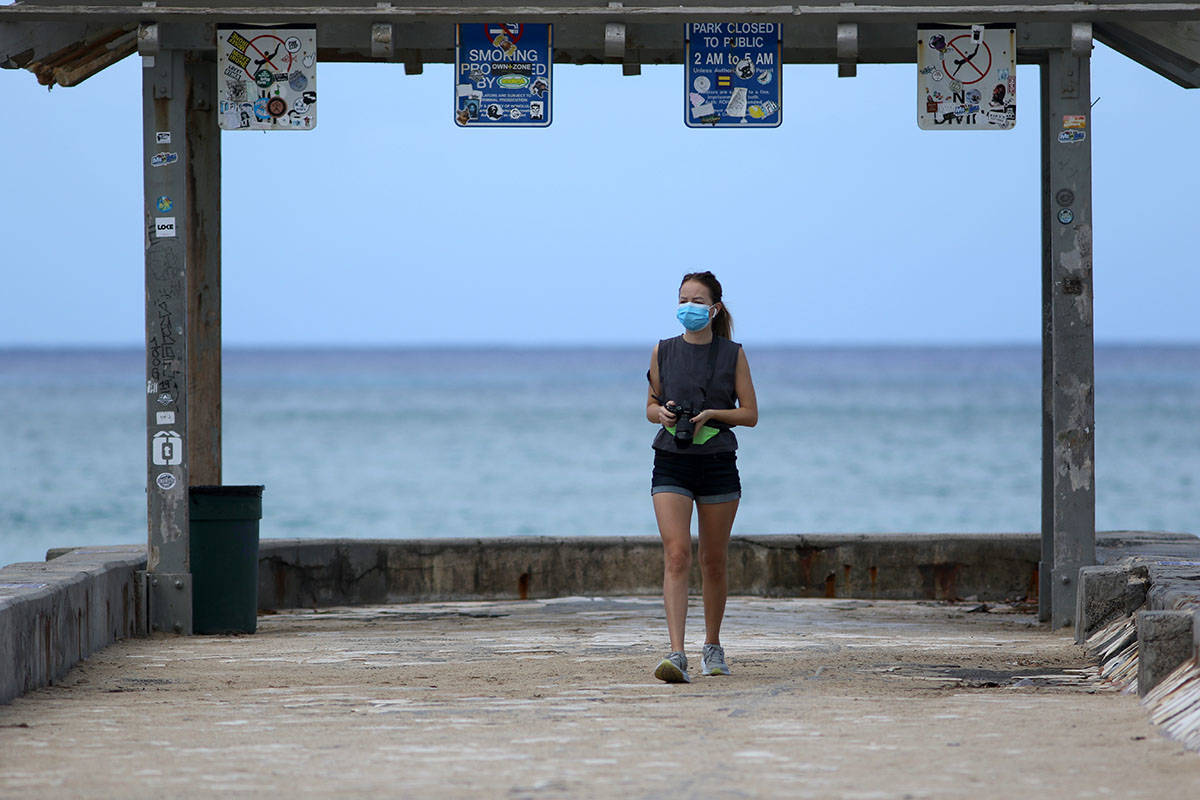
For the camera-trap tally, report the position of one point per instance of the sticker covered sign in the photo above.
(967, 77)
(267, 78)
(733, 76)
(502, 74)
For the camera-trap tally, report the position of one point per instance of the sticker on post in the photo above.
(164, 227)
(1074, 121)
(981, 63)
(165, 481)
(162, 159)
(164, 418)
(271, 73)
(162, 137)
(166, 449)
(1070, 137)
(164, 204)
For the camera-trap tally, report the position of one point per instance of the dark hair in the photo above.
(722, 324)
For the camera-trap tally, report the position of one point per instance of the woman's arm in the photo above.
(654, 411)
(746, 414)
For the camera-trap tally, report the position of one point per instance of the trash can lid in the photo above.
(227, 491)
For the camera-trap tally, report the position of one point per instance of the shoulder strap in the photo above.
(712, 366)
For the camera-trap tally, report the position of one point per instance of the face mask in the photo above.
(693, 316)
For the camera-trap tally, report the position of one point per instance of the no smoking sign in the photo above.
(967, 77)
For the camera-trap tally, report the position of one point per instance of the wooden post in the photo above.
(203, 222)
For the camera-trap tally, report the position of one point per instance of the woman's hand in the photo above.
(666, 417)
(703, 417)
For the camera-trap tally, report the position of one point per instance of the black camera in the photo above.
(684, 427)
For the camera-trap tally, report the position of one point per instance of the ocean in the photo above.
(453, 442)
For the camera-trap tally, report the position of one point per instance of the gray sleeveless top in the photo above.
(682, 368)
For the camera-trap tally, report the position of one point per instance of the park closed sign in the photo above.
(733, 76)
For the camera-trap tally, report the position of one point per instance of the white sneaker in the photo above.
(712, 660)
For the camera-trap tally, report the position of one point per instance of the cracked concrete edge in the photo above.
(1155, 581)
(56, 613)
(1165, 640)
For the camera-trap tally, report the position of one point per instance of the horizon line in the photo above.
(519, 345)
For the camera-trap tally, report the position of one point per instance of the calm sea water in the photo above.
(513, 442)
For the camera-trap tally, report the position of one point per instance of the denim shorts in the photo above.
(707, 478)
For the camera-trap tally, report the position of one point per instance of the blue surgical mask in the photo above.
(693, 316)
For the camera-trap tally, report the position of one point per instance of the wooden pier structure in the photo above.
(64, 43)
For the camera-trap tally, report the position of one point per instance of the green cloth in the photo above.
(701, 436)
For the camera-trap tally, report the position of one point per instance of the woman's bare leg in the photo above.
(716, 521)
(674, 514)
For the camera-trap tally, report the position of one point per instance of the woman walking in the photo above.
(700, 387)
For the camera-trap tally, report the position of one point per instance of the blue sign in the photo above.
(502, 74)
(734, 75)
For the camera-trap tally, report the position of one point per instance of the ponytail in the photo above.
(722, 325)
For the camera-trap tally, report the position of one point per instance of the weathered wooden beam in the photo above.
(1172, 49)
(23, 44)
(64, 54)
(583, 41)
(549, 12)
(203, 222)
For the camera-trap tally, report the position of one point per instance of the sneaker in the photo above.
(673, 668)
(712, 662)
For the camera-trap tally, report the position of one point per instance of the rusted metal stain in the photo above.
(945, 578)
(523, 586)
(1032, 590)
(831, 585)
(940, 581)
(805, 560)
(873, 572)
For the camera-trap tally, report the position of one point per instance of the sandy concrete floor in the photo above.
(539, 699)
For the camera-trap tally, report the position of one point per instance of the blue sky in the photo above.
(389, 225)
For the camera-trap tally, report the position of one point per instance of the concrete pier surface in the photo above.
(554, 698)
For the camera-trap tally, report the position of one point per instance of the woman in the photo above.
(701, 378)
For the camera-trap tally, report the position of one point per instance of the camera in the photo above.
(684, 427)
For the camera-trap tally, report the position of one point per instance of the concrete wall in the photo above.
(57, 613)
(300, 573)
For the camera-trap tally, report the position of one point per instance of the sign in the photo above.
(734, 75)
(166, 449)
(967, 77)
(502, 75)
(267, 78)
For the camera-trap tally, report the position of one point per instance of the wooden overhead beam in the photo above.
(876, 12)
(1172, 49)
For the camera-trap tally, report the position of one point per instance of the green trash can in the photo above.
(223, 548)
